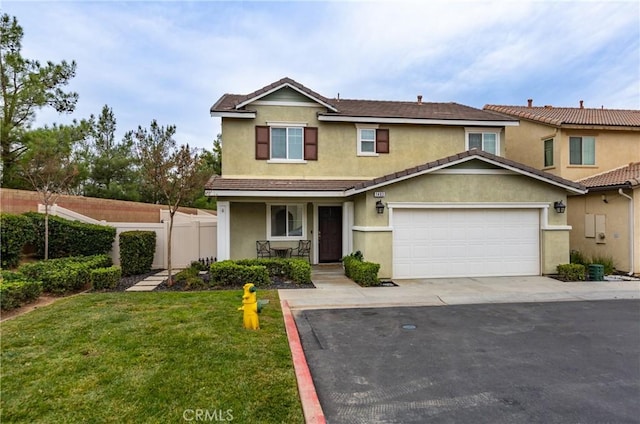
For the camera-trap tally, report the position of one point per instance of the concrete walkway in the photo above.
(334, 290)
(151, 282)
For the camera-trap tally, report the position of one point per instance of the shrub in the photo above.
(137, 249)
(572, 272)
(15, 232)
(606, 262)
(63, 275)
(576, 257)
(71, 238)
(105, 278)
(363, 273)
(229, 273)
(296, 270)
(18, 290)
(199, 266)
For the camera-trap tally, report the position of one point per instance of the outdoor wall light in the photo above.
(559, 206)
(379, 207)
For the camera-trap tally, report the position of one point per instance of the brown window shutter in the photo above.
(262, 142)
(382, 141)
(311, 143)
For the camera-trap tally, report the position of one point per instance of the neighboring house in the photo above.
(573, 143)
(606, 221)
(421, 188)
(578, 143)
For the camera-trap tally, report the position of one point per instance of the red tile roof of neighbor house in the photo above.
(366, 108)
(628, 175)
(219, 183)
(559, 116)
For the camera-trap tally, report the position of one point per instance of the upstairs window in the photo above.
(485, 140)
(286, 143)
(372, 140)
(548, 152)
(282, 143)
(582, 150)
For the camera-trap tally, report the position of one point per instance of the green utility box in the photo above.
(596, 272)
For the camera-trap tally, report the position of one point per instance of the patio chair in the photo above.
(303, 250)
(263, 249)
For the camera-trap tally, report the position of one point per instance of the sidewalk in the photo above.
(151, 282)
(334, 290)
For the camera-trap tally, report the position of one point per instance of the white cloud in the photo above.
(172, 60)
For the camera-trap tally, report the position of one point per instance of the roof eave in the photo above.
(419, 121)
(274, 193)
(225, 114)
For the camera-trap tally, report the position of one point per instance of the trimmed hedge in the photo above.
(16, 290)
(363, 273)
(15, 232)
(60, 276)
(71, 238)
(296, 270)
(105, 278)
(137, 249)
(229, 273)
(572, 272)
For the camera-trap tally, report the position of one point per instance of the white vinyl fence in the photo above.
(193, 236)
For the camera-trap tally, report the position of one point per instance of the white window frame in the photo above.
(483, 131)
(303, 233)
(286, 126)
(582, 150)
(359, 128)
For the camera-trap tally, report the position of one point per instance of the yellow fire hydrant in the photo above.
(250, 307)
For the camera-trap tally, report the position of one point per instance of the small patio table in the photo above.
(282, 252)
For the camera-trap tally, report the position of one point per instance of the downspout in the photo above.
(631, 232)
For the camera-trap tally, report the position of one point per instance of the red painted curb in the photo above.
(310, 403)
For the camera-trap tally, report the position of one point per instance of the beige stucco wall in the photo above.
(410, 145)
(447, 188)
(248, 223)
(617, 229)
(614, 148)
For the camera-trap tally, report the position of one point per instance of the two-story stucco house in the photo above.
(599, 148)
(421, 188)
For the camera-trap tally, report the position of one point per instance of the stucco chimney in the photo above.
(419, 99)
(529, 102)
(581, 104)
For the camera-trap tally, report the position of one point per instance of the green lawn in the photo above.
(148, 358)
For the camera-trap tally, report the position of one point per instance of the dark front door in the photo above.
(330, 233)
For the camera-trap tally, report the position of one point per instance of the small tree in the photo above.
(50, 165)
(172, 174)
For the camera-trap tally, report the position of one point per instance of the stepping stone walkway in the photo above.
(151, 282)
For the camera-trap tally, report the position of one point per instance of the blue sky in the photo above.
(171, 61)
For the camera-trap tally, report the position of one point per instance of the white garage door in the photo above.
(431, 243)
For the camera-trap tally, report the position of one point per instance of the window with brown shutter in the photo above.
(311, 143)
(262, 142)
(382, 141)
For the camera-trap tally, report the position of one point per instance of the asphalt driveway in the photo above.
(560, 362)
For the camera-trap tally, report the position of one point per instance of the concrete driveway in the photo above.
(334, 290)
(559, 362)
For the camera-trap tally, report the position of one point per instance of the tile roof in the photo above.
(471, 154)
(368, 108)
(218, 183)
(628, 175)
(559, 116)
(260, 184)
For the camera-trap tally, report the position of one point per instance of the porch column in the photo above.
(224, 233)
(347, 228)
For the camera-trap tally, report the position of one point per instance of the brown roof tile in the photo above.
(559, 116)
(254, 184)
(240, 184)
(467, 154)
(628, 175)
(369, 108)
